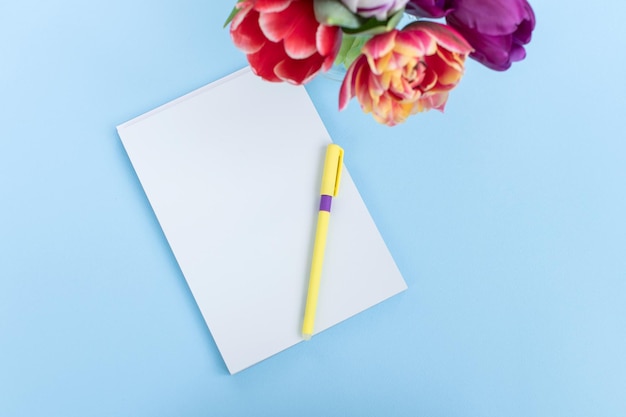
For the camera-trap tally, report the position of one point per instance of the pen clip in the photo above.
(332, 170)
(338, 174)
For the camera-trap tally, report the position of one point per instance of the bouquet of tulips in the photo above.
(393, 72)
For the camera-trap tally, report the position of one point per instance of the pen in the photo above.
(330, 186)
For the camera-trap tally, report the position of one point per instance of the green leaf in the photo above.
(351, 46)
(373, 26)
(394, 19)
(232, 14)
(355, 51)
(334, 13)
(346, 44)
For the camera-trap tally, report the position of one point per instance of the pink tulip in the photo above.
(282, 39)
(405, 72)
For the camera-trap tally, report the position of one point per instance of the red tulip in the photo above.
(282, 39)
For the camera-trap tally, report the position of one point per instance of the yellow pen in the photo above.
(330, 187)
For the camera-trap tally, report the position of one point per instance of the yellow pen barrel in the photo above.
(330, 186)
(316, 273)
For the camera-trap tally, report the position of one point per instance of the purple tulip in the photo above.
(496, 29)
(429, 8)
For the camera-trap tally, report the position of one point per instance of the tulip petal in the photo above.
(430, 79)
(432, 101)
(295, 26)
(413, 41)
(380, 44)
(271, 6)
(525, 29)
(245, 31)
(379, 9)
(491, 51)
(298, 71)
(264, 61)
(450, 60)
(243, 8)
(445, 35)
(517, 53)
(447, 75)
(429, 8)
(328, 39)
(494, 17)
(346, 92)
(302, 43)
(368, 101)
(276, 26)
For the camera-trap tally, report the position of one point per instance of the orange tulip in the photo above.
(400, 73)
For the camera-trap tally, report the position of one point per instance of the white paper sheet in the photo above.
(233, 171)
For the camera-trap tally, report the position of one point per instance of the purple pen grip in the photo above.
(325, 201)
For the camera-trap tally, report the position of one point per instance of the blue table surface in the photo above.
(506, 216)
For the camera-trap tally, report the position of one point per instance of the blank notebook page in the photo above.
(233, 172)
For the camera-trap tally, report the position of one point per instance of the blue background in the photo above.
(506, 216)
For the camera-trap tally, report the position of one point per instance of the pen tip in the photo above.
(306, 336)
